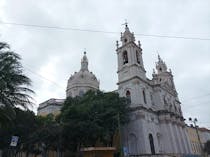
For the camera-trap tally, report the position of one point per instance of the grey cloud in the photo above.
(188, 59)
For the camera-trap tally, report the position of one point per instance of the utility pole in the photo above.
(194, 121)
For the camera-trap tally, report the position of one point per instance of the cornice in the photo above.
(127, 44)
(134, 77)
(163, 115)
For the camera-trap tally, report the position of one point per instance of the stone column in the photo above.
(142, 134)
(167, 144)
(183, 138)
(175, 148)
(178, 142)
(189, 150)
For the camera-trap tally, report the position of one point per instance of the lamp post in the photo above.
(194, 121)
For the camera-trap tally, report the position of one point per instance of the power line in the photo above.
(32, 67)
(53, 82)
(58, 27)
(198, 102)
(44, 78)
(195, 105)
(97, 31)
(100, 31)
(197, 97)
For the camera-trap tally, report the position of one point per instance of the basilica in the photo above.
(156, 121)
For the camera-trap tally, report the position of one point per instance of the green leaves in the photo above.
(23, 124)
(93, 118)
(13, 83)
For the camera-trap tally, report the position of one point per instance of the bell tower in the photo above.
(131, 72)
(163, 76)
(130, 62)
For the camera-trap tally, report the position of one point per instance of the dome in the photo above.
(82, 81)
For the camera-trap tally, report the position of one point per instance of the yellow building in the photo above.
(51, 106)
(204, 134)
(195, 141)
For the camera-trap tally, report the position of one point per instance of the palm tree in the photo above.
(14, 84)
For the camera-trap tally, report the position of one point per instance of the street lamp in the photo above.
(194, 121)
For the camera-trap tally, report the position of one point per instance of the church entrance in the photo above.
(152, 146)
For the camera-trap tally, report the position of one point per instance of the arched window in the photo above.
(128, 95)
(152, 146)
(125, 57)
(144, 97)
(137, 57)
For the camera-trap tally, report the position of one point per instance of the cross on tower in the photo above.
(126, 23)
(84, 51)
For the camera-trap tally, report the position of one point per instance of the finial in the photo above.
(159, 59)
(126, 24)
(153, 71)
(85, 51)
(139, 44)
(84, 63)
(117, 43)
(157, 53)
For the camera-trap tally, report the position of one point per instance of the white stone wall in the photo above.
(167, 137)
(159, 115)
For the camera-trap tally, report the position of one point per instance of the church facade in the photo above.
(156, 121)
(157, 124)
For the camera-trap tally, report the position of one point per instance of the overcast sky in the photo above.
(50, 56)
